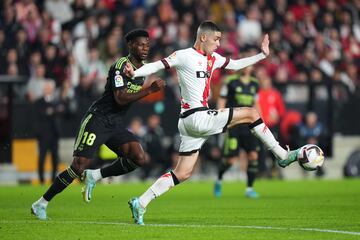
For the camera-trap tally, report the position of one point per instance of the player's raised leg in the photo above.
(182, 172)
(262, 132)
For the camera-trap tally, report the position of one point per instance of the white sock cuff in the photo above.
(96, 174)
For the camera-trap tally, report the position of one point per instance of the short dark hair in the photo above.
(130, 36)
(208, 26)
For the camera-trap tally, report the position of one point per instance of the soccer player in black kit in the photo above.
(240, 90)
(103, 123)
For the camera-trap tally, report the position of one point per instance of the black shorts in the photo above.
(239, 137)
(96, 130)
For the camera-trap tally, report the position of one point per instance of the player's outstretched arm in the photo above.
(123, 98)
(145, 70)
(245, 62)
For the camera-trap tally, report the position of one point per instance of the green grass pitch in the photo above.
(307, 209)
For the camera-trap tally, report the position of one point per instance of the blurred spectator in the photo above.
(286, 65)
(35, 60)
(311, 131)
(268, 21)
(2, 50)
(96, 70)
(270, 100)
(53, 64)
(219, 11)
(59, 10)
(327, 64)
(26, 8)
(249, 29)
(88, 28)
(154, 146)
(104, 20)
(307, 27)
(32, 24)
(47, 110)
(9, 23)
(139, 130)
(12, 59)
(72, 71)
(65, 44)
(165, 11)
(53, 26)
(23, 50)
(36, 83)
(85, 93)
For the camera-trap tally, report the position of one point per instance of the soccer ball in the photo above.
(310, 157)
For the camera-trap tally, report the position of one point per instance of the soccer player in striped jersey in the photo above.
(194, 67)
(103, 124)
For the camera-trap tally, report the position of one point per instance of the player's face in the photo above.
(140, 47)
(212, 42)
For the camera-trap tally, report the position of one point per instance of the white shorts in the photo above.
(197, 127)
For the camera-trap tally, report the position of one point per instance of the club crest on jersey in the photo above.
(210, 63)
(119, 81)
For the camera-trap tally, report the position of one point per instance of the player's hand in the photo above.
(129, 70)
(157, 85)
(265, 45)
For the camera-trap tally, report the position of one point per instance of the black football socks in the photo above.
(119, 167)
(61, 182)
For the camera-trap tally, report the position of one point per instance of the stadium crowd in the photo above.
(73, 42)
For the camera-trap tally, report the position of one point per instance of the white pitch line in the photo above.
(186, 226)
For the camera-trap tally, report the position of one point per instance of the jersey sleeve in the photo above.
(174, 60)
(220, 61)
(117, 78)
(244, 62)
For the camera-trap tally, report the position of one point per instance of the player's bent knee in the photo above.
(245, 115)
(183, 176)
(79, 164)
(253, 114)
(139, 158)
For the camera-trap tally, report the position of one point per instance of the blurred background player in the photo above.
(103, 124)
(239, 90)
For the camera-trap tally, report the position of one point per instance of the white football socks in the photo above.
(42, 201)
(162, 185)
(96, 174)
(262, 132)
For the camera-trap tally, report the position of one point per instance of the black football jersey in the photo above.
(239, 93)
(106, 104)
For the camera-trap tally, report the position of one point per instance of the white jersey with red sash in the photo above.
(194, 70)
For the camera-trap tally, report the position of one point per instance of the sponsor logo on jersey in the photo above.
(202, 74)
(119, 81)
